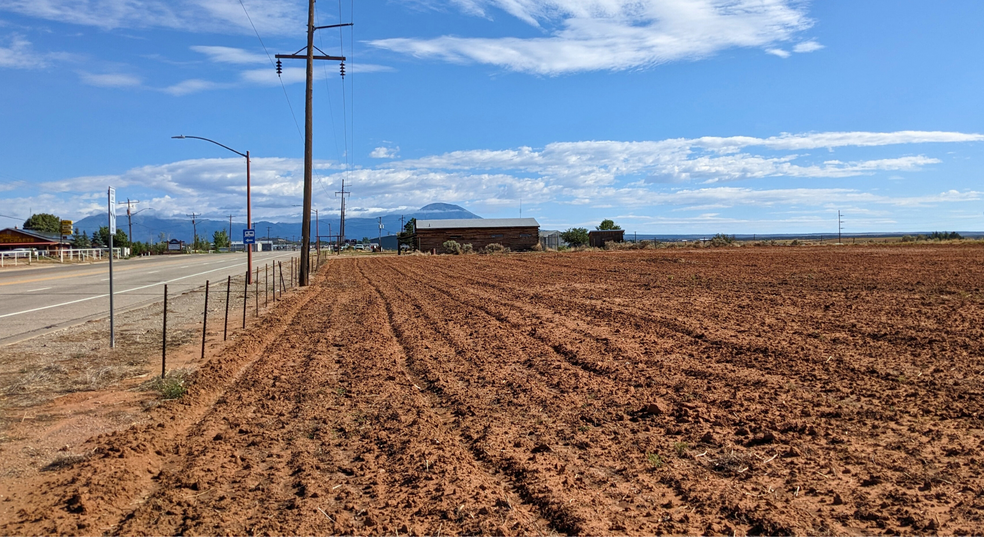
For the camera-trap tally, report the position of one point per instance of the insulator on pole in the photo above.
(341, 67)
(279, 68)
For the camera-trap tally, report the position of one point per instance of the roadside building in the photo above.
(597, 239)
(514, 233)
(13, 238)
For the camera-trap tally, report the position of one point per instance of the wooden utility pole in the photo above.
(309, 130)
(194, 227)
(341, 222)
(129, 223)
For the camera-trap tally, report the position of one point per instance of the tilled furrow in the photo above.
(521, 423)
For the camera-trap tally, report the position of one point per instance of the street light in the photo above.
(249, 220)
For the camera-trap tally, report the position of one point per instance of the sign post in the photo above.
(112, 231)
(249, 237)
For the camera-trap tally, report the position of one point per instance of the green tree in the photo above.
(201, 243)
(575, 236)
(608, 225)
(405, 237)
(81, 241)
(44, 223)
(101, 238)
(221, 239)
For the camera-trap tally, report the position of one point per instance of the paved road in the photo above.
(45, 298)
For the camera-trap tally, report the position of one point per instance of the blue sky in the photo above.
(672, 116)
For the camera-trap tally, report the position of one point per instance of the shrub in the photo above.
(467, 249)
(452, 247)
(908, 238)
(537, 247)
(173, 386)
(654, 460)
(495, 248)
(722, 240)
(795, 243)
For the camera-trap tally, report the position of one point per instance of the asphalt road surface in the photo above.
(47, 297)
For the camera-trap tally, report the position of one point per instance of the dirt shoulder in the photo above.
(720, 391)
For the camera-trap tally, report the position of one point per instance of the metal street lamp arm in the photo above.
(182, 137)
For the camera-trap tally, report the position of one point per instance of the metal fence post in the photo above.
(164, 341)
(205, 320)
(245, 296)
(225, 329)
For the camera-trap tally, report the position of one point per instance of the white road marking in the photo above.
(104, 280)
(153, 272)
(41, 289)
(118, 292)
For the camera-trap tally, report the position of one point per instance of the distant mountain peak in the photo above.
(442, 207)
(440, 211)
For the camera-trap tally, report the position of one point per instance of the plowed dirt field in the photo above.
(730, 391)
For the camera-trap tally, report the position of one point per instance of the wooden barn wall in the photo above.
(514, 238)
(597, 239)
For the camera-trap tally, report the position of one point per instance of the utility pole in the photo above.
(399, 246)
(341, 223)
(309, 129)
(230, 233)
(380, 220)
(129, 224)
(194, 227)
(840, 226)
(317, 233)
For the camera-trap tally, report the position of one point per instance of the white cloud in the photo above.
(19, 54)
(109, 80)
(279, 17)
(187, 87)
(632, 175)
(586, 35)
(231, 55)
(778, 52)
(807, 46)
(385, 152)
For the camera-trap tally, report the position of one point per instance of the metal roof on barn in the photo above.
(477, 223)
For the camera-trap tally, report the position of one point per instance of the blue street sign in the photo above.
(249, 236)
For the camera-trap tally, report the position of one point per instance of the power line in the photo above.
(291, 107)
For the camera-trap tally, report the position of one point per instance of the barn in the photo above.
(514, 233)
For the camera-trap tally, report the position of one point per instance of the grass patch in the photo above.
(654, 460)
(173, 386)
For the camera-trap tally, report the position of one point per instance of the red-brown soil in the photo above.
(730, 391)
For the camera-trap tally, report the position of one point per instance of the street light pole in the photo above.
(249, 217)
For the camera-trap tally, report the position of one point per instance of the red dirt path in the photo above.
(749, 391)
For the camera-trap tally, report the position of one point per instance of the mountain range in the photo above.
(148, 228)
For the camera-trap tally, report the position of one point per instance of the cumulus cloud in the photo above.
(385, 152)
(687, 174)
(778, 52)
(586, 35)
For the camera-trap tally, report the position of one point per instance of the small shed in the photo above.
(597, 239)
(513, 233)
